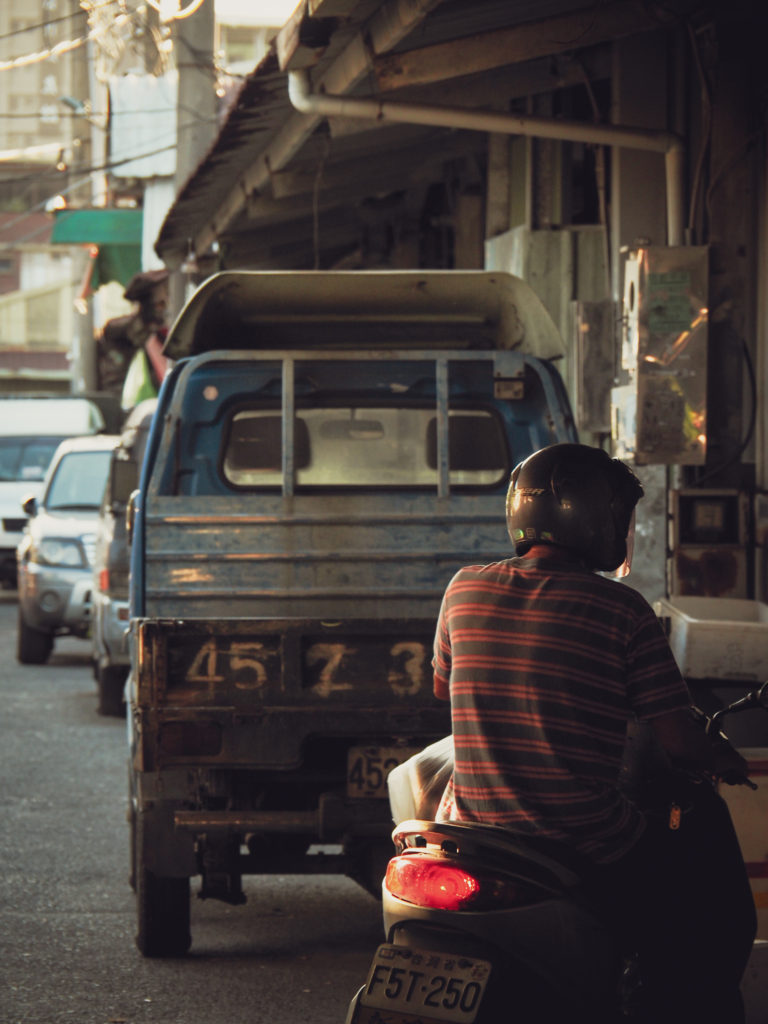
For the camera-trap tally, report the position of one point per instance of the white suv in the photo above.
(31, 428)
(55, 556)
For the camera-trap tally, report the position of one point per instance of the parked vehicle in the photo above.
(55, 555)
(31, 428)
(111, 562)
(483, 924)
(328, 449)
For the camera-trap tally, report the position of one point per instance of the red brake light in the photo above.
(104, 581)
(431, 883)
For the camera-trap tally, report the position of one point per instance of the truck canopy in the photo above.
(363, 310)
(339, 444)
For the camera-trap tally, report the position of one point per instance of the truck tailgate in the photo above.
(262, 688)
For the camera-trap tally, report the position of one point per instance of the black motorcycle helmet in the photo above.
(574, 496)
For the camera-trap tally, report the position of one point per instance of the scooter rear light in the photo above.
(441, 885)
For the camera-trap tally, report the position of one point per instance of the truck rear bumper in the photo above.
(334, 820)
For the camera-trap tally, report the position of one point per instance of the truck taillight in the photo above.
(114, 582)
(443, 885)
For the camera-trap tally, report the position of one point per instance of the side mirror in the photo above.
(130, 513)
(29, 505)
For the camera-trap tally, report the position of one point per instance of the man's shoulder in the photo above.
(488, 570)
(626, 593)
(618, 592)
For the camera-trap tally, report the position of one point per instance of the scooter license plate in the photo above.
(368, 768)
(412, 985)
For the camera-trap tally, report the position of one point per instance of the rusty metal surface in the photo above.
(316, 559)
(266, 685)
(247, 664)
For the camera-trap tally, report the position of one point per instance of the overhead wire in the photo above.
(91, 170)
(66, 45)
(42, 25)
(185, 12)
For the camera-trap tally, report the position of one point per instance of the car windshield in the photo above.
(26, 459)
(78, 481)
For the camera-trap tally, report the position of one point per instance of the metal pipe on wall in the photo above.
(671, 145)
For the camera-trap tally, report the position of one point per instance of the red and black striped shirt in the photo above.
(545, 663)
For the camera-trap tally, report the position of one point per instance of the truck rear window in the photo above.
(380, 446)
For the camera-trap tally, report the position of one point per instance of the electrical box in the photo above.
(708, 543)
(664, 357)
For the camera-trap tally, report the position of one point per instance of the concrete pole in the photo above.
(193, 39)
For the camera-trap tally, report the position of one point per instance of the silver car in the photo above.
(55, 557)
(111, 564)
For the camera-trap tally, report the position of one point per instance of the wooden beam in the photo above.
(379, 170)
(303, 40)
(495, 89)
(331, 8)
(524, 42)
(254, 246)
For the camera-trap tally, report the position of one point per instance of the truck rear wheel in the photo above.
(162, 906)
(163, 914)
(110, 681)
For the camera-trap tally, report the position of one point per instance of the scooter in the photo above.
(485, 926)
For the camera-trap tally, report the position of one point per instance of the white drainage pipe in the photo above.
(671, 145)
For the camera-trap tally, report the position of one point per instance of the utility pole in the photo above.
(196, 106)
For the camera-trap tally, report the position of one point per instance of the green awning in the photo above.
(99, 227)
(117, 233)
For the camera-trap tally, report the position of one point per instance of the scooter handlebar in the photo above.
(737, 779)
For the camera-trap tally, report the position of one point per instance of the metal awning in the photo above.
(98, 227)
(274, 174)
(116, 233)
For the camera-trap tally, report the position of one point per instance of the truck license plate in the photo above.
(413, 984)
(368, 768)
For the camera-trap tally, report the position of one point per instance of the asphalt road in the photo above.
(295, 953)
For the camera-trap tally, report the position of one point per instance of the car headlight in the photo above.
(66, 553)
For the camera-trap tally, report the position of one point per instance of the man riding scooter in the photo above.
(546, 664)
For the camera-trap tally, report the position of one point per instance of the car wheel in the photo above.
(33, 646)
(110, 681)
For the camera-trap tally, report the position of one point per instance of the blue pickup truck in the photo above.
(328, 449)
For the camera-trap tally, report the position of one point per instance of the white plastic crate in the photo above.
(717, 637)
